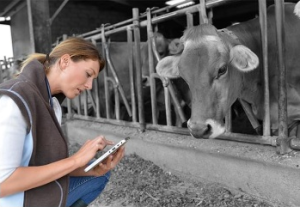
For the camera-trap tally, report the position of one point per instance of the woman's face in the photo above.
(78, 76)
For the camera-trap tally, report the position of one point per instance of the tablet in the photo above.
(105, 155)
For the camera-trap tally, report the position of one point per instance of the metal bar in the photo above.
(96, 88)
(111, 27)
(115, 75)
(30, 23)
(108, 33)
(191, 9)
(57, 11)
(69, 106)
(107, 121)
(105, 70)
(174, 98)
(12, 7)
(1, 73)
(158, 19)
(131, 74)
(117, 97)
(114, 26)
(138, 68)
(168, 106)
(264, 38)
(90, 95)
(189, 19)
(210, 16)
(283, 147)
(79, 104)
(172, 129)
(202, 12)
(85, 103)
(209, 2)
(228, 120)
(154, 50)
(176, 103)
(248, 138)
(150, 42)
(117, 103)
(248, 110)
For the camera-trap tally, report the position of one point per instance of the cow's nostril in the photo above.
(145, 80)
(208, 130)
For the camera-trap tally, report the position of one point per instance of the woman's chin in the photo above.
(71, 96)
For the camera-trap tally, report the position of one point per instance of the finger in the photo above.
(100, 142)
(119, 155)
(108, 162)
(104, 141)
(102, 168)
(108, 142)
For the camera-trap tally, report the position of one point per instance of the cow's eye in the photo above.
(222, 70)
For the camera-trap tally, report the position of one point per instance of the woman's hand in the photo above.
(109, 163)
(88, 151)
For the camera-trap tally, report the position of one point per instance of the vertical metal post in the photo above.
(137, 37)
(96, 87)
(1, 75)
(151, 67)
(79, 105)
(189, 19)
(264, 39)
(30, 25)
(210, 16)
(117, 103)
(69, 101)
(168, 106)
(107, 105)
(131, 74)
(202, 12)
(85, 103)
(282, 141)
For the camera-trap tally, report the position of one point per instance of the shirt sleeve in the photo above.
(12, 136)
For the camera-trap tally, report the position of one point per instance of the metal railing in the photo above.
(132, 28)
(8, 67)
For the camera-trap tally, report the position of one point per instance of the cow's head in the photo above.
(213, 65)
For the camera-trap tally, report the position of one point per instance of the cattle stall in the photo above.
(7, 68)
(172, 103)
(244, 162)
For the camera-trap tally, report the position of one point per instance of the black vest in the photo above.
(49, 144)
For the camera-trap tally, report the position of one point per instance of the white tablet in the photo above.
(105, 155)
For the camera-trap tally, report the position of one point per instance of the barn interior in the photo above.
(36, 25)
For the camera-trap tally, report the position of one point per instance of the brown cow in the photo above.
(220, 67)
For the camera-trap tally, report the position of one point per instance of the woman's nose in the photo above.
(89, 84)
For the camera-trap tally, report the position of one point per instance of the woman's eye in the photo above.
(88, 75)
(222, 70)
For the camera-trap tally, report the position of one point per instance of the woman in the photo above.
(35, 169)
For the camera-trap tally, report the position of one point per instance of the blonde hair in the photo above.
(78, 49)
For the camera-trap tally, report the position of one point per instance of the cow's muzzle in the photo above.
(209, 129)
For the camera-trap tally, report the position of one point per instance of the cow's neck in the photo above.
(247, 34)
(252, 92)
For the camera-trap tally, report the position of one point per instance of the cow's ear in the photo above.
(243, 58)
(168, 67)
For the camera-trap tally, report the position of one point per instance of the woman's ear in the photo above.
(64, 61)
